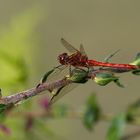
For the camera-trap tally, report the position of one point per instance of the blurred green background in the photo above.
(30, 33)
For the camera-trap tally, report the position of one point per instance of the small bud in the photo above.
(5, 129)
(44, 102)
(103, 79)
(78, 76)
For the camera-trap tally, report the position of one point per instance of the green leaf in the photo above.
(117, 127)
(110, 56)
(136, 72)
(117, 82)
(2, 107)
(92, 112)
(45, 77)
(137, 56)
(133, 111)
(15, 42)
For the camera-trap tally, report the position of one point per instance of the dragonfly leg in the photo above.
(58, 67)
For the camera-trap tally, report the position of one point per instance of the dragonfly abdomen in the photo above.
(113, 65)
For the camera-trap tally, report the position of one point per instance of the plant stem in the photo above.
(23, 95)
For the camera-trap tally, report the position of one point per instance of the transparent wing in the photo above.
(62, 91)
(68, 46)
(82, 50)
(58, 73)
(78, 76)
(54, 74)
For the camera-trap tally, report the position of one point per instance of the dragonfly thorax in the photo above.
(75, 59)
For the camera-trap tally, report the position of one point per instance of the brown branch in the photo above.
(23, 95)
(17, 97)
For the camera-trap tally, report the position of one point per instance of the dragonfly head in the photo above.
(62, 58)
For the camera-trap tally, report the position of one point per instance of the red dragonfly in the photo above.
(78, 58)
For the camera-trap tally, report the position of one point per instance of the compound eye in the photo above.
(62, 57)
(65, 54)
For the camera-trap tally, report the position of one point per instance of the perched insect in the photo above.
(78, 58)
